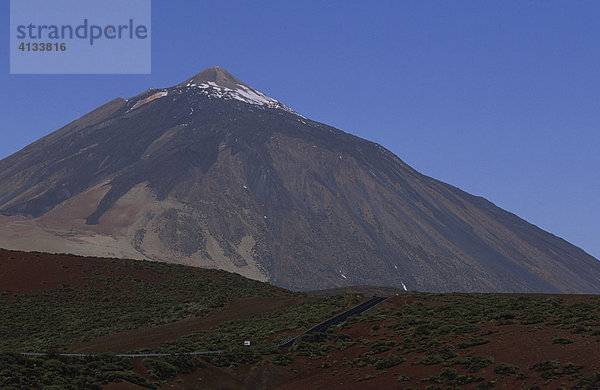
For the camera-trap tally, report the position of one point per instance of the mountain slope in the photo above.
(213, 173)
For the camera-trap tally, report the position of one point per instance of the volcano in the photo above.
(213, 173)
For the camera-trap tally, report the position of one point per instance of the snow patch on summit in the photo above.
(241, 93)
(253, 97)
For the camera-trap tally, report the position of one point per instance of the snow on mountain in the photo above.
(241, 92)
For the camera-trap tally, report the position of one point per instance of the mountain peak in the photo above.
(216, 82)
(216, 75)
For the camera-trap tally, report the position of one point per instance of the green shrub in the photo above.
(580, 329)
(159, 369)
(567, 369)
(475, 363)
(431, 359)
(365, 378)
(447, 353)
(562, 340)
(184, 364)
(591, 382)
(505, 315)
(505, 369)
(389, 361)
(506, 322)
(570, 368)
(423, 330)
(283, 359)
(465, 328)
(450, 376)
(473, 342)
(445, 329)
(547, 365)
(234, 356)
(383, 346)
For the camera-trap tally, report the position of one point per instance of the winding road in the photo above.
(322, 327)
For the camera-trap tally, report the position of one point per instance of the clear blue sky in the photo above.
(500, 98)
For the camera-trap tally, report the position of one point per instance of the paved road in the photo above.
(322, 327)
(363, 307)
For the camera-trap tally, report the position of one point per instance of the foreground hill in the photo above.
(212, 173)
(58, 300)
(62, 303)
(432, 341)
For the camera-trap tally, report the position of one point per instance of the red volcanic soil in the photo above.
(518, 344)
(23, 272)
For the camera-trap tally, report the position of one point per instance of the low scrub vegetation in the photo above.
(60, 372)
(114, 296)
(452, 336)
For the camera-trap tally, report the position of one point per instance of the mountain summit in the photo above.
(216, 82)
(214, 173)
(216, 75)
